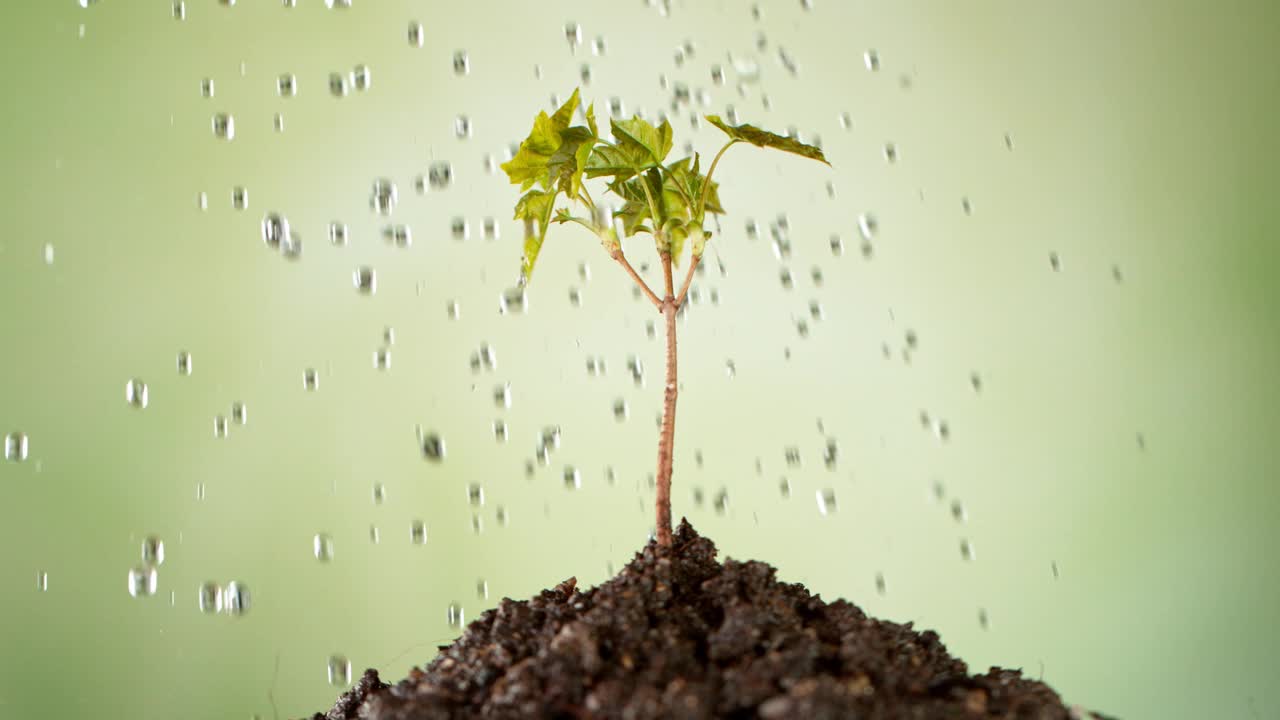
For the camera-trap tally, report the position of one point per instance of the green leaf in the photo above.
(565, 114)
(764, 138)
(536, 162)
(617, 161)
(563, 166)
(591, 119)
(534, 207)
(636, 133)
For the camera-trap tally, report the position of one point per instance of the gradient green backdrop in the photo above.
(1143, 138)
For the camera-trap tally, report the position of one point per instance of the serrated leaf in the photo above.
(534, 206)
(617, 161)
(563, 166)
(640, 134)
(564, 115)
(764, 138)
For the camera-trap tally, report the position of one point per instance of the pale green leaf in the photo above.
(638, 133)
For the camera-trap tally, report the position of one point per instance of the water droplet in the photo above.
(210, 598)
(1055, 262)
(1008, 141)
(440, 175)
(975, 380)
(461, 62)
(616, 108)
(433, 448)
(384, 196)
(310, 379)
(846, 120)
(1054, 567)
(142, 581)
(379, 493)
(957, 511)
(784, 487)
(500, 431)
(339, 671)
(417, 36)
(513, 300)
(220, 426)
(460, 228)
(235, 598)
(15, 446)
(475, 495)
(573, 33)
(224, 126)
(966, 549)
(202, 200)
(206, 87)
(361, 77)
(500, 514)
(730, 369)
(792, 455)
(867, 225)
(721, 502)
(200, 491)
(1142, 441)
(152, 551)
(453, 309)
(337, 233)
(42, 581)
(871, 59)
(826, 501)
(338, 84)
(240, 198)
(784, 276)
(966, 206)
(135, 393)
(572, 478)
(418, 532)
(462, 127)
(983, 620)
(482, 589)
(891, 152)
(286, 85)
(815, 274)
(880, 584)
(365, 280)
(575, 297)
(830, 454)
(179, 10)
(382, 359)
(322, 547)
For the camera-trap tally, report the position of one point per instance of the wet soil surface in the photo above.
(678, 635)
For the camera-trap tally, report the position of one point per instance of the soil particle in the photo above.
(678, 635)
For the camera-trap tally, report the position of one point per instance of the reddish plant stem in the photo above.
(622, 260)
(688, 278)
(666, 441)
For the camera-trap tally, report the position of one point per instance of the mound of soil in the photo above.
(678, 635)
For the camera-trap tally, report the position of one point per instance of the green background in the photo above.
(1142, 138)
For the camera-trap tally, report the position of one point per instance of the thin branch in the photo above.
(706, 182)
(688, 279)
(622, 259)
(666, 273)
(585, 195)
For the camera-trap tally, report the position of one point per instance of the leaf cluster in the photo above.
(667, 200)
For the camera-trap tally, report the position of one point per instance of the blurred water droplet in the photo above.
(620, 411)
(240, 198)
(338, 84)
(830, 454)
(462, 127)
(880, 584)
(500, 514)
(721, 502)
(239, 413)
(152, 551)
(826, 501)
(286, 85)
(1055, 262)
(616, 108)
(983, 620)
(460, 228)
(361, 77)
(575, 297)
(966, 206)
(867, 225)
(1008, 141)
(1054, 567)
(475, 495)
(966, 549)
(784, 276)
(418, 532)
(846, 120)
(871, 59)
(210, 598)
(500, 431)
(135, 393)
(206, 87)
(365, 280)
(730, 369)
(224, 126)
(322, 547)
(440, 175)
(337, 233)
(432, 446)
(199, 491)
(379, 493)
(142, 581)
(202, 200)
(513, 300)
(15, 446)
(573, 34)
(482, 589)
(792, 455)
(383, 197)
(310, 379)
(958, 512)
(179, 10)
(42, 581)
(220, 426)
(461, 62)
(891, 152)
(456, 615)
(572, 478)
(453, 309)
(382, 359)
(339, 671)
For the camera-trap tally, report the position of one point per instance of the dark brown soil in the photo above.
(678, 635)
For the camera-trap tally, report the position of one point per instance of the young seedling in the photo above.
(667, 201)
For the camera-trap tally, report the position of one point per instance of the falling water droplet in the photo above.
(456, 615)
(15, 446)
(1055, 262)
(361, 78)
(880, 584)
(338, 84)
(432, 446)
(871, 59)
(135, 393)
(572, 478)
(826, 501)
(339, 671)
(310, 379)
(461, 62)
(475, 495)
(236, 599)
(142, 581)
(152, 551)
(322, 547)
(418, 532)
(224, 126)
(184, 362)
(220, 426)
(365, 280)
(210, 598)
(966, 549)
(240, 198)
